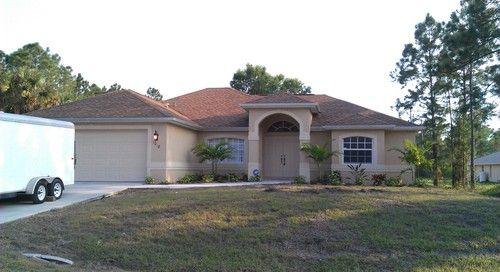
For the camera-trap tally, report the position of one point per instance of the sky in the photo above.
(345, 49)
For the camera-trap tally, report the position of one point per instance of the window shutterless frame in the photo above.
(357, 149)
(237, 145)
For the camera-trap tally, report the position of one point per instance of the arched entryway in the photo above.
(280, 147)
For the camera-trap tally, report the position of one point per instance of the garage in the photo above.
(111, 155)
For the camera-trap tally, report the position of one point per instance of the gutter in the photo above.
(194, 126)
(375, 127)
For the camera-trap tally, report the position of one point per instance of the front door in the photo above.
(281, 156)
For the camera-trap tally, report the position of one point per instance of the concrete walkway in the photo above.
(13, 209)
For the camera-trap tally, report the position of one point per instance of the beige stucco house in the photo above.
(115, 134)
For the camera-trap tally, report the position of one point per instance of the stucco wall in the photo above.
(158, 153)
(179, 158)
(320, 138)
(384, 160)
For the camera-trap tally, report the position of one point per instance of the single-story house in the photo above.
(116, 132)
(489, 164)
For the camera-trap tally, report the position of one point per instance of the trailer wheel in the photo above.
(40, 193)
(56, 188)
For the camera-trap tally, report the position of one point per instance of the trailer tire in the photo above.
(56, 188)
(40, 192)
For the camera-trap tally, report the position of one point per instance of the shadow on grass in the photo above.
(289, 228)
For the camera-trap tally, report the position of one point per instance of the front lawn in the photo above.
(281, 228)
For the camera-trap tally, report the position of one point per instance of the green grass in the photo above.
(484, 188)
(489, 188)
(283, 228)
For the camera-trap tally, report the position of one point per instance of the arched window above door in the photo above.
(283, 126)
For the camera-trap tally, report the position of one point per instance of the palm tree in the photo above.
(317, 153)
(414, 156)
(213, 153)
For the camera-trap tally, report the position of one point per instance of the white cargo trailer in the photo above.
(36, 156)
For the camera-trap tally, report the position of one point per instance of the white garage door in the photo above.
(110, 155)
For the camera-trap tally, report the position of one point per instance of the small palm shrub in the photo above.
(378, 179)
(319, 154)
(334, 178)
(232, 177)
(299, 180)
(213, 153)
(358, 174)
(413, 155)
(208, 178)
(149, 180)
(189, 178)
(393, 181)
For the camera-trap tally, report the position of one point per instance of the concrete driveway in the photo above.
(13, 209)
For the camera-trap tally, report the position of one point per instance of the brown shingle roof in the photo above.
(336, 112)
(220, 107)
(278, 98)
(214, 108)
(118, 104)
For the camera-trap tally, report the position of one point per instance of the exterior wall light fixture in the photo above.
(156, 136)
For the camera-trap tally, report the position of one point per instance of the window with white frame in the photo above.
(358, 149)
(237, 146)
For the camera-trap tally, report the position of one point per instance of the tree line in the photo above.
(33, 78)
(451, 74)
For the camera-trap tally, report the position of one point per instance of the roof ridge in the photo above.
(208, 89)
(267, 97)
(155, 104)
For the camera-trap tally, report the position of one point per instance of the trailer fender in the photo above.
(30, 188)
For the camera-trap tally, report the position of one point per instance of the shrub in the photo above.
(299, 180)
(358, 174)
(244, 177)
(190, 178)
(255, 178)
(149, 180)
(220, 178)
(420, 182)
(319, 154)
(378, 179)
(334, 178)
(393, 181)
(231, 177)
(213, 153)
(208, 178)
